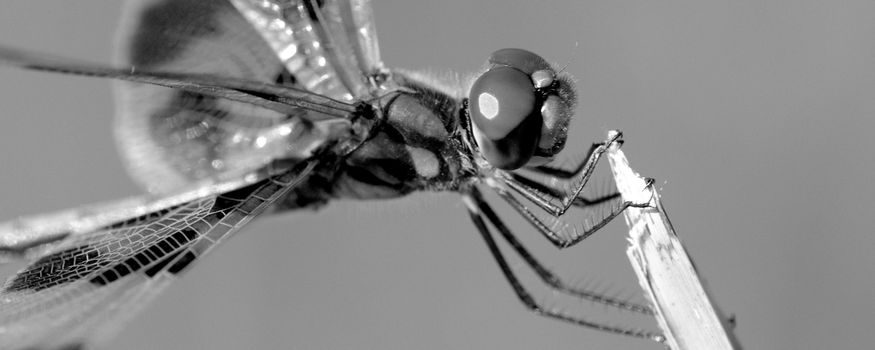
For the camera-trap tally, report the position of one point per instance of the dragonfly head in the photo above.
(520, 109)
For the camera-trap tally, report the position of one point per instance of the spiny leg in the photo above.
(578, 181)
(550, 278)
(564, 173)
(580, 201)
(476, 208)
(569, 236)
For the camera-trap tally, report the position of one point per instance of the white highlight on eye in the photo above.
(550, 111)
(488, 105)
(550, 128)
(260, 141)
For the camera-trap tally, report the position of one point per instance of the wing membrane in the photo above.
(171, 138)
(92, 268)
(330, 46)
(81, 290)
(30, 236)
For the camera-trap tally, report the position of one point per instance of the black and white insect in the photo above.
(232, 109)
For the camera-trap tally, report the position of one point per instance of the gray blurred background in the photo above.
(754, 117)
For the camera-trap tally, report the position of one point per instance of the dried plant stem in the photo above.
(666, 273)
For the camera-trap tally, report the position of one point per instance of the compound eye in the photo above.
(526, 61)
(507, 122)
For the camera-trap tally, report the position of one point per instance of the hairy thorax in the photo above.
(417, 147)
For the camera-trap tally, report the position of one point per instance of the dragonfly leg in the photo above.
(565, 173)
(579, 201)
(477, 208)
(547, 276)
(557, 205)
(558, 232)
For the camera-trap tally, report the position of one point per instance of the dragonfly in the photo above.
(228, 110)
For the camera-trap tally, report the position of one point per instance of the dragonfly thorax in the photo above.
(415, 147)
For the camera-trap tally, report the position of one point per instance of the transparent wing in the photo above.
(170, 138)
(82, 290)
(330, 47)
(30, 237)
